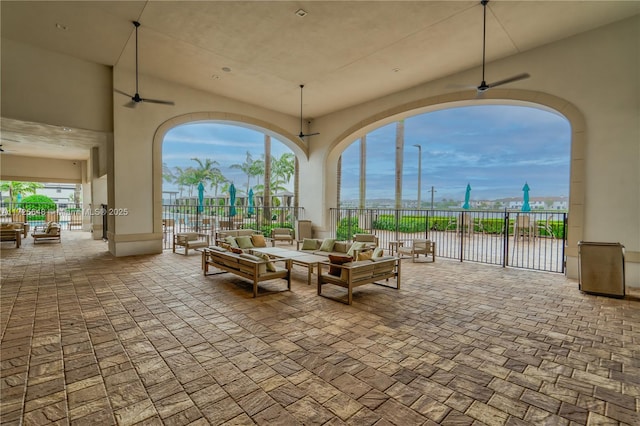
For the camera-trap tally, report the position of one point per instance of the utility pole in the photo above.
(432, 191)
(419, 172)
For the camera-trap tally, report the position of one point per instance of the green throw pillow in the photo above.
(231, 241)
(309, 244)
(244, 242)
(355, 246)
(327, 244)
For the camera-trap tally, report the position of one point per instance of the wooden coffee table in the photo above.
(297, 258)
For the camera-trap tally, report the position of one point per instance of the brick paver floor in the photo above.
(92, 339)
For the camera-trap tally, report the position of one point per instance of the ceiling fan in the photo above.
(136, 98)
(303, 135)
(483, 87)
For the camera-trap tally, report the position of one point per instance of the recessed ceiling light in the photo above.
(66, 129)
(301, 13)
(215, 77)
(395, 69)
(61, 27)
(226, 69)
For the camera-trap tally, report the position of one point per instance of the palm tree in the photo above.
(399, 162)
(246, 168)
(16, 188)
(283, 167)
(167, 174)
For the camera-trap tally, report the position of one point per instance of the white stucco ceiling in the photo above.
(345, 52)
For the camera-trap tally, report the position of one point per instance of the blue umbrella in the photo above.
(251, 210)
(232, 200)
(200, 197)
(525, 206)
(467, 194)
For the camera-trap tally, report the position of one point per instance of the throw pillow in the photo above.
(231, 241)
(225, 246)
(236, 250)
(258, 240)
(309, 244)
(365, 255)
(378, 252)
(337, 260)
(354, 247)
(270, 266)
(244, 242)
(327, 244)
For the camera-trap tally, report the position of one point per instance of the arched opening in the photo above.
(224, 155)
(574, 225)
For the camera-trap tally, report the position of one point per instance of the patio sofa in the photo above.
(23, 227)
(329, 246)
(252, 268)
(354, 274)
(241, 238)
(11, 234)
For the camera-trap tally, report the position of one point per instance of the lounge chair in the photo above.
(47, 232)
(418, 247)
(281, 234)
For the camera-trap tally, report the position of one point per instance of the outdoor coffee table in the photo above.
(308, 261)
(297, 258)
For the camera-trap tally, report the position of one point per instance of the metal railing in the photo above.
(531, 240)
(69, 216)
(210, 219)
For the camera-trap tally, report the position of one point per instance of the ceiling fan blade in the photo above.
(123, 93)
(304, 135)
(130, 104)
(510, 80)
(157, 101)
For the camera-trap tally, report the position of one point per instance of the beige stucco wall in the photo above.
(47, 87)
(35, 169)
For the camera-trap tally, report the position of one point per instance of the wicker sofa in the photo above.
(354, 274)
(246, 266)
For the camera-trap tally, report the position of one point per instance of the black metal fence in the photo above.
(532, 240)
(210, 219)
(69, 216)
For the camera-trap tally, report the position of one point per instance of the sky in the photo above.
(495, 149)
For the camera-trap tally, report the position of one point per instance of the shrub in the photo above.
(347, 227)
(34, 204)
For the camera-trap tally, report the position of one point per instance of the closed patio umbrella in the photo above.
(200, 197)
(467, 195)
(251, 209)
(232, 200)
(525, 206)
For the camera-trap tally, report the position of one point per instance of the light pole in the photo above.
(419, 172)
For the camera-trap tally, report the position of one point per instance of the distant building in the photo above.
(60, 193)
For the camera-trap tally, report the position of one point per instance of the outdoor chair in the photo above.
(189, 240)
(370, 240)
(282, 234)
(48, 232)
(419, 246)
